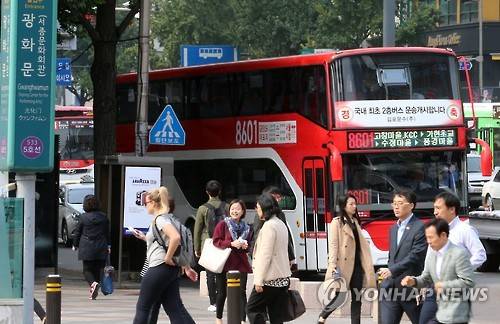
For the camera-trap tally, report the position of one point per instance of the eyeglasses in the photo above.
(399, 204)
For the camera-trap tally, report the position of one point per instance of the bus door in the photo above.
(315, 226)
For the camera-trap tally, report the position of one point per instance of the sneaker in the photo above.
(94, 290)
(212, 308)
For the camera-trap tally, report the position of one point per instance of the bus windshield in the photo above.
(373, 178)
(76, 139)
(397, 77)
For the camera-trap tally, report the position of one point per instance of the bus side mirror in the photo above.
(486, 157)
(336, 167)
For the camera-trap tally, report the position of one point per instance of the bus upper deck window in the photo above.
(393, 76)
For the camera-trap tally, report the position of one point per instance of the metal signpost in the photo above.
(27, 80)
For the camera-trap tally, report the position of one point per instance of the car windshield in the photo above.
(76, 195)
(474, 164)
(373, 178)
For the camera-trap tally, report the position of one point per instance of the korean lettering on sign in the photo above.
(33, 110)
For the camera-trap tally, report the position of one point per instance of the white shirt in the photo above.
(465, 236)
(439, 258)
(402, 226)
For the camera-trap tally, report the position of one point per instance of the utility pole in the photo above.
(388, 32)
(480, 57)
(141, 125)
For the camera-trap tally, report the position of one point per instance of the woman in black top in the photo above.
(91, 237)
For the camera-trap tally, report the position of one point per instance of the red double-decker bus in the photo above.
(365, 121)
(75, 127)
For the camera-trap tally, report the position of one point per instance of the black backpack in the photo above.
(214, 216)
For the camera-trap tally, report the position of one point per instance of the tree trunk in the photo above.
(103, 73)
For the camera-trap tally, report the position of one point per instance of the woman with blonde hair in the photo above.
(161, 281)
(349, 256)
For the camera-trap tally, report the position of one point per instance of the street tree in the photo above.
(98, 19)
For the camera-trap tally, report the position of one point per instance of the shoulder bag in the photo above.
(294, 307)
(213, 258)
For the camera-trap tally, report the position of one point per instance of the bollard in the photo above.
(53, 299)
(233, 297)
(379, 316)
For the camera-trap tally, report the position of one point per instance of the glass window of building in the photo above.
(468, 11)
(448, 9)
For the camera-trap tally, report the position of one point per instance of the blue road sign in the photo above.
(167, 129)
(207, 54)
(462, 65)
(63, 71)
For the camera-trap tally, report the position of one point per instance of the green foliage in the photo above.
(263, 28)
(410, 30)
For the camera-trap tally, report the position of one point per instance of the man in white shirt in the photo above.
(446, 207)
(448, 268)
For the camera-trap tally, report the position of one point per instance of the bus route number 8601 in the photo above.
(247, 132)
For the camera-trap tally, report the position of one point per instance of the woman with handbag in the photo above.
(91, 238)
(271, 267)
(161, 281)
(349, 256)
(233, 233)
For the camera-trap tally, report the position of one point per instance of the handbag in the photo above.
(213, 258)
(107, 279)
(294, 307)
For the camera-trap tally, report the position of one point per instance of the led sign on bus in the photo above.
(401, 139)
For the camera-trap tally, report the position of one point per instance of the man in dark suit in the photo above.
(406, 258)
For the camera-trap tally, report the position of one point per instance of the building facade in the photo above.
(472, 29)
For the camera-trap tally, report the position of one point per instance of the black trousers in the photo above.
(221, 282)
(161, 285)
(356, 283)
(93, 270)
(392, 311)
(429, 307)
(272, 300)
(212, 287)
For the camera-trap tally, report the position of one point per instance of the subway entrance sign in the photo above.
(27, 84)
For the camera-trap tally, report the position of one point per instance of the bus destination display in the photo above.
(401, 139)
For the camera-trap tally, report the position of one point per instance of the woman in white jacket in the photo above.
(271, 267)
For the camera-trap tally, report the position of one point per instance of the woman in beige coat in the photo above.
(349, 256)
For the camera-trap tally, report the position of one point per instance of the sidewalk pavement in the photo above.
(120, 306)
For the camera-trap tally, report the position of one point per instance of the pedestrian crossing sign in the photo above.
(167, 129)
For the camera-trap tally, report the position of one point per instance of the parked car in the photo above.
(491, 191)
(475, 180)
(71, 207)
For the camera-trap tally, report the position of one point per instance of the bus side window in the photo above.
(219, 99)
(276, 98)
(193, 99)
(174, 96)
(252, 90)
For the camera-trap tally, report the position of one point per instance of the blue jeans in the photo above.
(161, 284)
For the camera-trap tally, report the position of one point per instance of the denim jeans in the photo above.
(161, 283)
